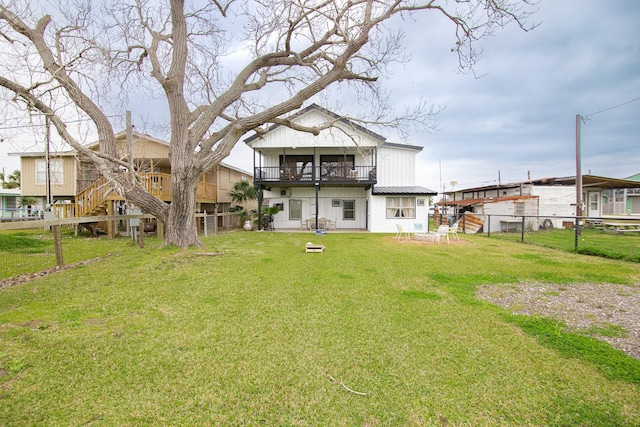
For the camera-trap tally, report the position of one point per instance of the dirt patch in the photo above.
(608, 312)
(429, 242)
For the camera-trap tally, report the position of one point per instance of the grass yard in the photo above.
(590, 242)
(252, 331)
(33, 250)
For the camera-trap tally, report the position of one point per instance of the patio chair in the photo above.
(400, 232)
(322, 224)
(453, 230)
(441, 233)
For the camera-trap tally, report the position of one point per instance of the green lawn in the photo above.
(591, 241)
(33, 250)
(253, 331)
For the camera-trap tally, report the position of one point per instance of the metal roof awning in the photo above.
(403, 191)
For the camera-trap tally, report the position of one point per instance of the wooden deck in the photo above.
(93, 199)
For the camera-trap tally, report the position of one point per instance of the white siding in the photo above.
(325, 209)
(396, 167)
(381, 224)
(556, 201)
(506, 210)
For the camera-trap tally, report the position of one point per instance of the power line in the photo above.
(31, 125)
(611, 108)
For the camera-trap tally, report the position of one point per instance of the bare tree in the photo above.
(224, 68)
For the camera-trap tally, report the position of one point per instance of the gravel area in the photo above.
(584, 306)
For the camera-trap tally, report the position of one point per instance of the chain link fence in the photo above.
(612, 237)
(32, 246)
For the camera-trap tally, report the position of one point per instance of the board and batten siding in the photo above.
(396, 166)
(143, 149)
(379, 223)
(326, 195)
(30, 187)
(226, 178)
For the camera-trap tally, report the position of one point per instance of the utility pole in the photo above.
(47, 161)
(578, 181)
(129, 140)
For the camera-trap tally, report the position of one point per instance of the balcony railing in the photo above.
(95, 195)
(311, 174)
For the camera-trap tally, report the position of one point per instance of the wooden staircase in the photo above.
(92, 201)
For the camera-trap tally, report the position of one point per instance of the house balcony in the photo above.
(159, 185)
(338, 175)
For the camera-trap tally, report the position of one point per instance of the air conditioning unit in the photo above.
(285, 192)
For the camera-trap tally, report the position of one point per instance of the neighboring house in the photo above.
(10, 208)
(547, 197)
(623, 201)
(346, 177)
(77, 189)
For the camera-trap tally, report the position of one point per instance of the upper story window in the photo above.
(337, 166)
(55, 171)
(296, 167)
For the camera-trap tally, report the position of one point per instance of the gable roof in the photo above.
(405, 146)
(137, 136)
(326, 112)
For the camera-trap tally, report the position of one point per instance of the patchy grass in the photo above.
(265, 334)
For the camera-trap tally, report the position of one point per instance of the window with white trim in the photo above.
(401, 207)
(55, 171)
(349, 210)
(295, 209)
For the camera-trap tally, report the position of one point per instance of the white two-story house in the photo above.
(346, 177)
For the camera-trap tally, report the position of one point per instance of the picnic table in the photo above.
(621, 227)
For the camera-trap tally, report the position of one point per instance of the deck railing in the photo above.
(323, 173)
(157, 184)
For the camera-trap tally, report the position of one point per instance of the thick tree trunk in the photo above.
(180, 227)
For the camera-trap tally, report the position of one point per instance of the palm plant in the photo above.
(243, 191)
(10, 181)
(28, 202)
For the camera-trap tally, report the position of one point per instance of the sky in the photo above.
(516, 117)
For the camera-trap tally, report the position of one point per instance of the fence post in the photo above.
(522, 231)
(464, 223)
(488, 225)
(204, 223)
(58, 245)
(159, 229)
(215, 219)
(141, 235)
